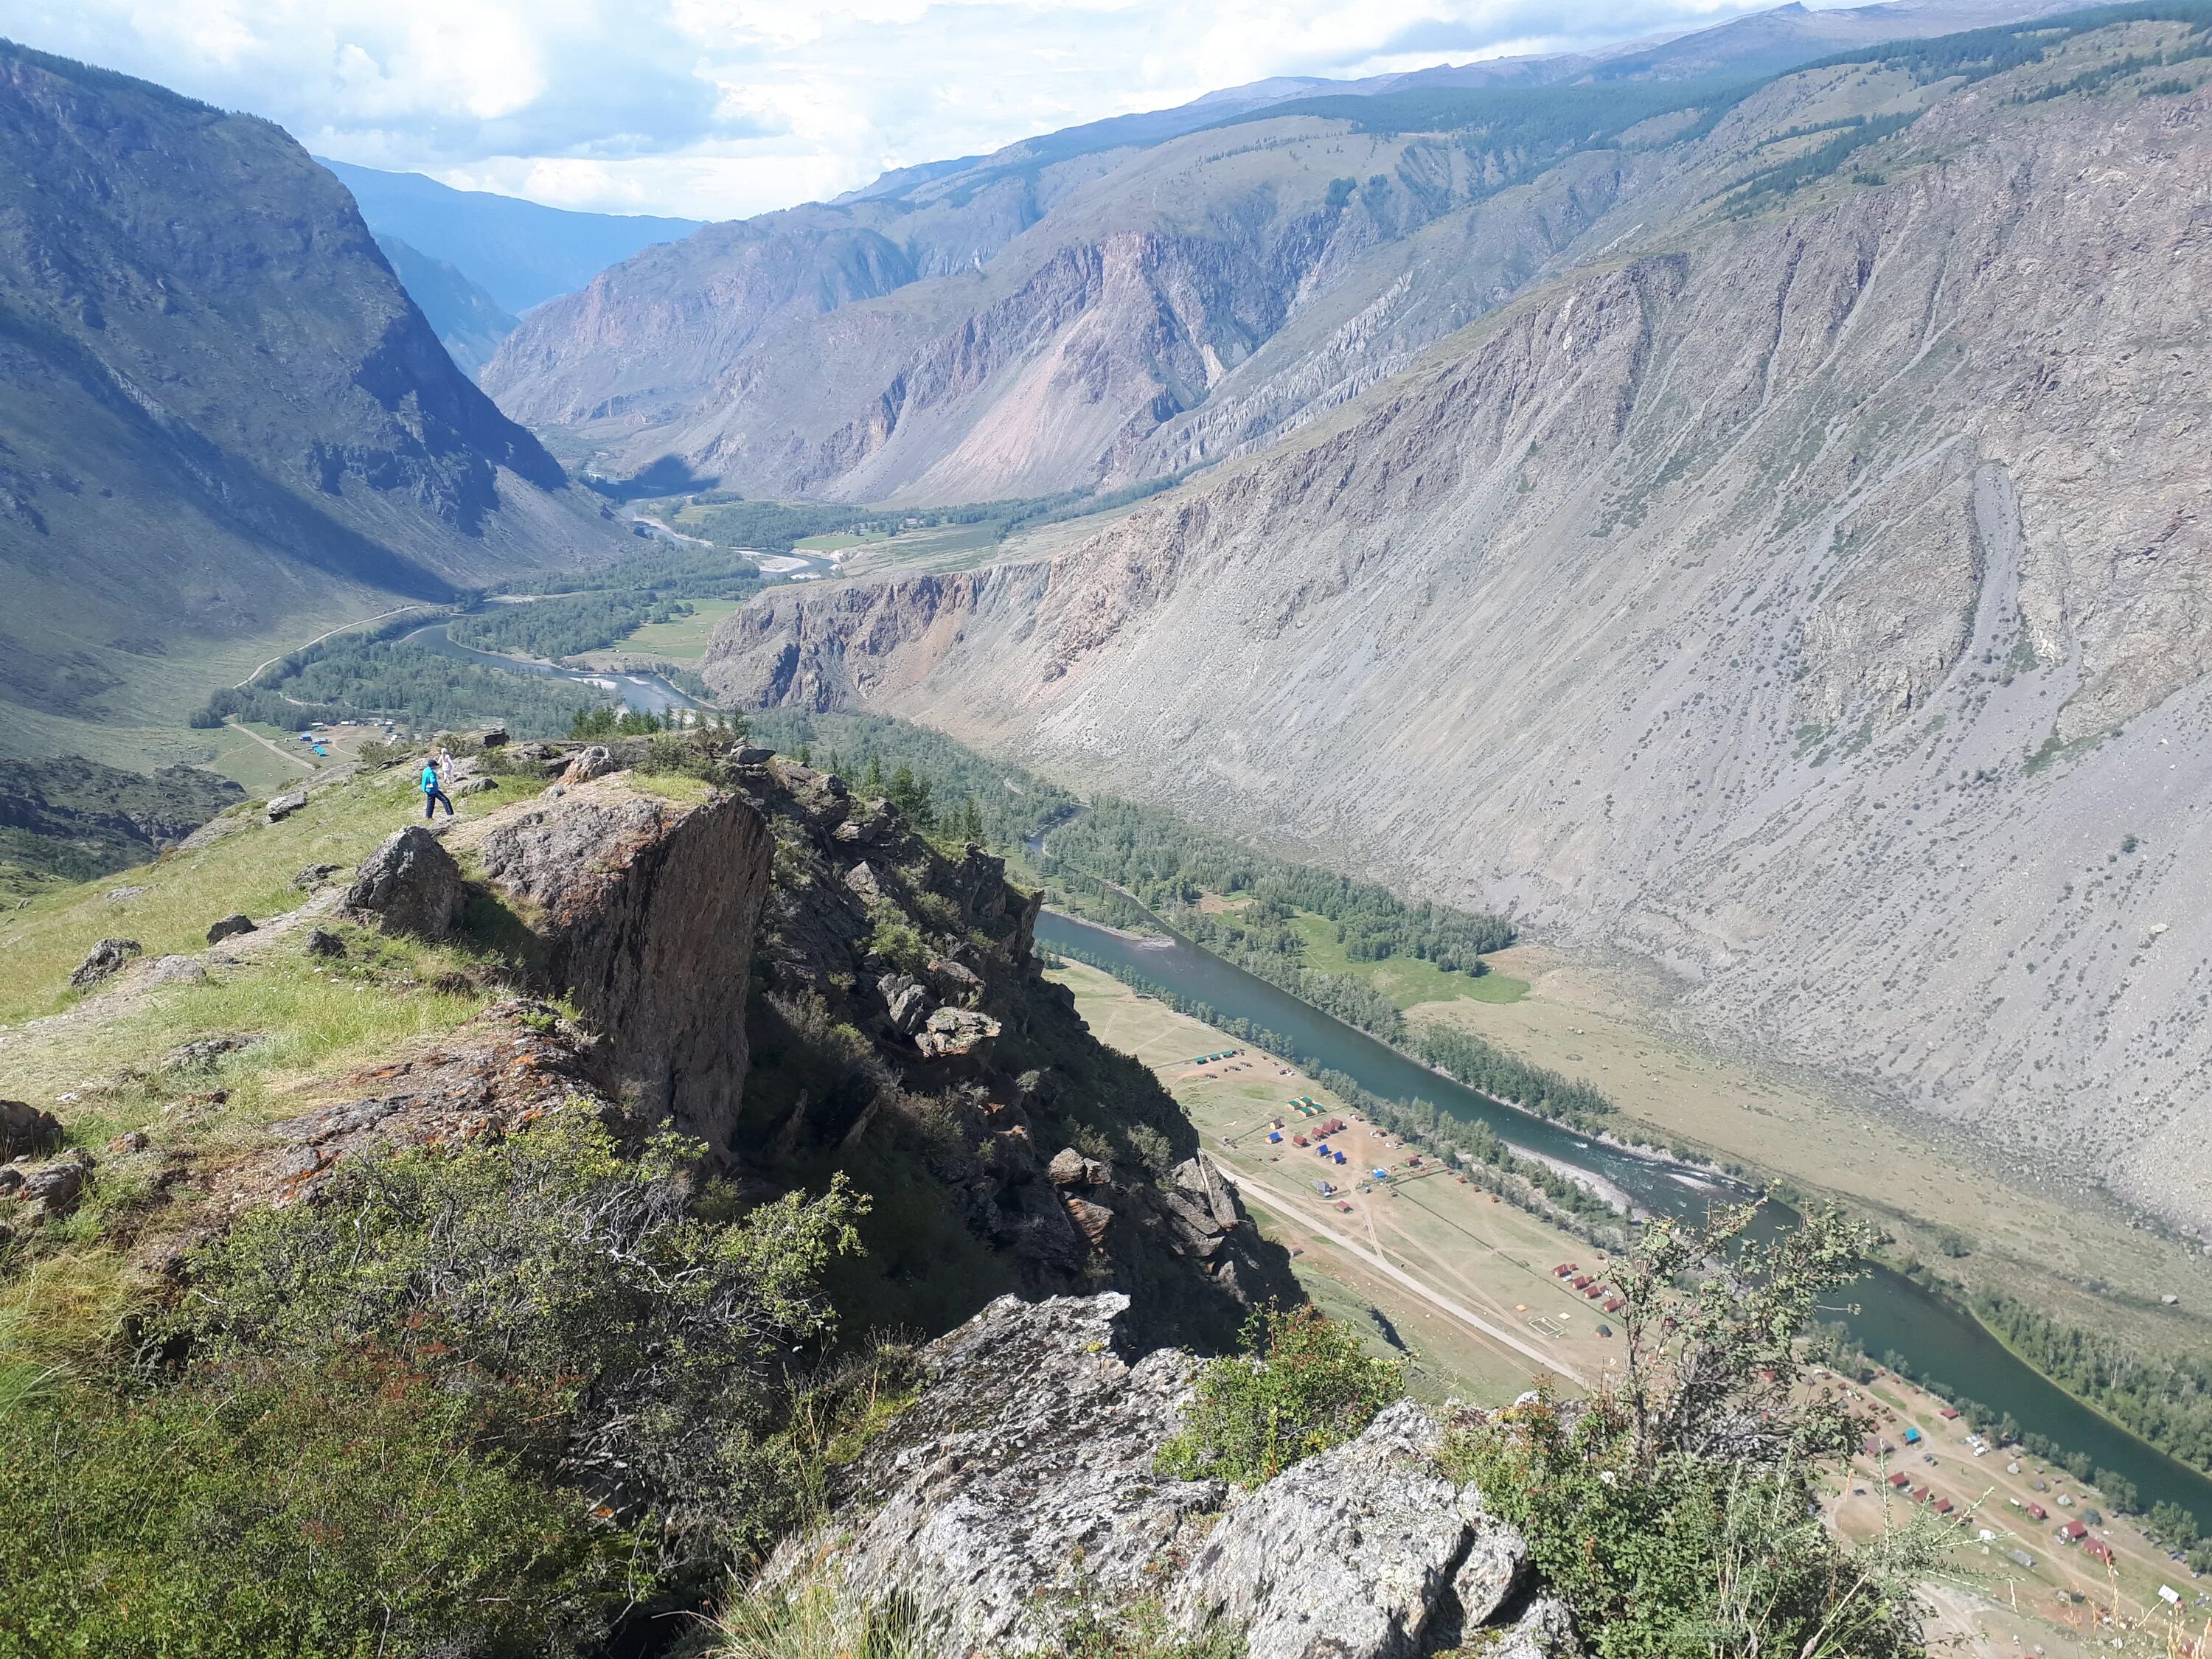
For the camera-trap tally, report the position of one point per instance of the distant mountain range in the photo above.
(520, 254)
(469, 321)
(220, 414)
(1763, 539)
(1129, 298)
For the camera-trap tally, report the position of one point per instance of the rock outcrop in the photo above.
(409, 884)
(104, 960)
(971, 1506)
(25, 1131)
(645, 910)
(969, 1078)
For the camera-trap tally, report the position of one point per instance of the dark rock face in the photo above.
(104, 959)
(970, 1503)
(229, 928)
(25, 1131)
(647, 910)
(410, 884)
(964, 1074)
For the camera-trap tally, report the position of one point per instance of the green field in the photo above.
(1405, 980)
(830, 541)
(683, 640)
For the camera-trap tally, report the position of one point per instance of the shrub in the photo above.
(1674, 1511)
(1303, 1385)
(897, 941)
(339, 1510)
(587, 1298)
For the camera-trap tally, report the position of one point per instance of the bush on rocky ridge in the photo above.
(1303, 1385)
(1673, 1511)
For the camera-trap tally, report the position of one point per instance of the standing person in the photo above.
(433, 791)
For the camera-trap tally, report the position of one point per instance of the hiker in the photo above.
(433, 791)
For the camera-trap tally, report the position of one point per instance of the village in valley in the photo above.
(1482, 1300)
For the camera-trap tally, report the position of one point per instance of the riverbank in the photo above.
(1432, 1272)
(1946, 1201)
(1938, 1338)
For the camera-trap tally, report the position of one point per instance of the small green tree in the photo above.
(1303, 1385)
(1676, 1511)
(911, 795)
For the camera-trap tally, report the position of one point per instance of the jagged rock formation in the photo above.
(900, 1030)
(1119, 302)
(221, 408)
(1802, 604)
(646, 912)
(970, 1506)
(728, 980)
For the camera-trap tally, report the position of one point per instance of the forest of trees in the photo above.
(1534, 1088)
(370, 679)
(2167, 1399)
(563, 626)
(1168, 865)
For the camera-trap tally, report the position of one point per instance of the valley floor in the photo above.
(1439, 1274)
(2072, 1253)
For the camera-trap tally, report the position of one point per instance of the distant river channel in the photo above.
(1889, 1312)
(649, 694)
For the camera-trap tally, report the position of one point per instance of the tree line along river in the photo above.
(1887, 1312)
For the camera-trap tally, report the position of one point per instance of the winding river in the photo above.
(1889, 1312)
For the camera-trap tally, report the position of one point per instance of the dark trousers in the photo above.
(431, 801)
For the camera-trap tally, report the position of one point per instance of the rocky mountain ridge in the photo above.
(1798, 601)
(1119, 303)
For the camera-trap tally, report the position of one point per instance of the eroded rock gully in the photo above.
(971, 1506)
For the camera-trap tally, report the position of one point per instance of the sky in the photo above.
(713, 109)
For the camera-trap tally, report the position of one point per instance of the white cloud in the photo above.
(715, 108)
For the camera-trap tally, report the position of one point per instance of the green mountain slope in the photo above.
(223, 425)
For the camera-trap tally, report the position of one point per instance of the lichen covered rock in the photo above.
(1022, 1474)
(409, 884)
(1345, 1554)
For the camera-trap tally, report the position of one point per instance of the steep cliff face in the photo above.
(221, 409)
(900, 1031)
(1805, 604)
(646, 911)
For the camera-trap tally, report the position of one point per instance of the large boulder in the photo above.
(646, 908)
(1022, 1476)
(410, 884)
(1022, 1484)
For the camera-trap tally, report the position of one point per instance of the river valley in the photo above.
(1887, 1313)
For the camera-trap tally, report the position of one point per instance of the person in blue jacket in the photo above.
(433, 791)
